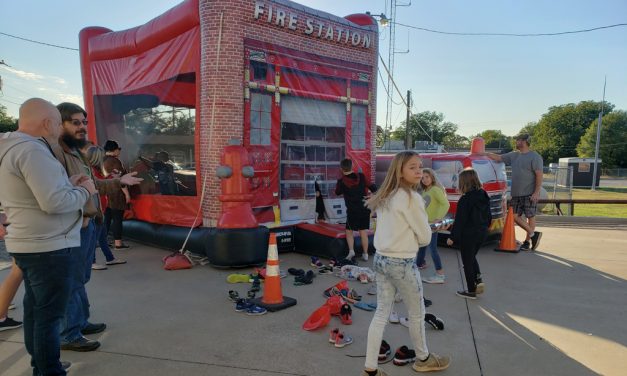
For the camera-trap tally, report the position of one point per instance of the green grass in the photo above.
(601, 210)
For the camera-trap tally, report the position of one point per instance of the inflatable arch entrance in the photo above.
(292, 88)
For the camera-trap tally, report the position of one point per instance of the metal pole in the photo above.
(407, 135)
(598, 144)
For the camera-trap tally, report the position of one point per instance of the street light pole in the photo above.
(407, 135)
(598, 144)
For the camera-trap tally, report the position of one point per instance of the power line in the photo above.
(511, 34)
(6, 100)
(37, 42)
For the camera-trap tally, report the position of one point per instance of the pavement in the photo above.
(557, 311)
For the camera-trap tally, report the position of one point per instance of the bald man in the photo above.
(44, 209)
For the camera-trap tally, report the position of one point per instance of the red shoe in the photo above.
(333, 335)
(345, 314)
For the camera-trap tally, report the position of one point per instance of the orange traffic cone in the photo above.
(273, 299)
(508, 237)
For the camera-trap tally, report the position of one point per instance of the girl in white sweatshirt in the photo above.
(402, 227)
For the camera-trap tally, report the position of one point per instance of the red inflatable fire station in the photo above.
(254, 101)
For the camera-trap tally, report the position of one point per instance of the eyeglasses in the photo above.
(78, 123)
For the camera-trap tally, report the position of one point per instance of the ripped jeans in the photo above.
(402, 275)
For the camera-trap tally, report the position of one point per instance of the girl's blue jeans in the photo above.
(433, 248)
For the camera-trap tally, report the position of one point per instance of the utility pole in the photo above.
(598, 144)
(407, 135)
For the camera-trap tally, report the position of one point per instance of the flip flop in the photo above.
(238, 278)
(364, 306)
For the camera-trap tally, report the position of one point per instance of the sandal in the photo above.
(364, 306)
(238, 278)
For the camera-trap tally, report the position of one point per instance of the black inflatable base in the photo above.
(287, 302)
(328, 243)
(223, 247)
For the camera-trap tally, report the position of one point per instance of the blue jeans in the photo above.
(433, 248)
(402, 275)
(101, 240)
(77, 311)
(47, 291)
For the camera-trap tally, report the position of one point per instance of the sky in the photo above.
(477, 82)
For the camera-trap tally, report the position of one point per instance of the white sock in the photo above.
(351, 254)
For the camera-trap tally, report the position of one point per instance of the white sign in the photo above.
(319, 29)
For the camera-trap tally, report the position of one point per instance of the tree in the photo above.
(613, 149)
(559, 130)
(455, 141)
(495, 139)
(7, 123)
(424, 125)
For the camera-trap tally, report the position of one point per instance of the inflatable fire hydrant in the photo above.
(235, 172)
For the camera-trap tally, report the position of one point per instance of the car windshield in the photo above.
(484, 170)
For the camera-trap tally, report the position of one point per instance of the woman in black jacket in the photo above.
(472, 219)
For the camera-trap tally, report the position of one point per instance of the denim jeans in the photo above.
(402, 275)
(433, 248)
(77, 311)
(101, 240)
(47, 291)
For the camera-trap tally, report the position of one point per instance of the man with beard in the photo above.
(73, 138)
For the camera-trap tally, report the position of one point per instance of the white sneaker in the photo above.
(116, 261)
(404, 321)
(435, 279)
(350, 255)
(393, 317)
(98, 267)
(364, 256)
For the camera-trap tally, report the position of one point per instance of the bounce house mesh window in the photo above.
(155, 127)
(260, 125)
(358, 129)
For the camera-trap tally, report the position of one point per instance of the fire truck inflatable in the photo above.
(447, 166)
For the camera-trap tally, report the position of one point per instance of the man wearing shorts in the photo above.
(526, 183)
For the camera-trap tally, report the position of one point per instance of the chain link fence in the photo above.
(614, 172)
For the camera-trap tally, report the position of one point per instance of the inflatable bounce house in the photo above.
(232, 112)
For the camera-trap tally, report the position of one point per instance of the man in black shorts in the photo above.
(353, 187)
(526, 183)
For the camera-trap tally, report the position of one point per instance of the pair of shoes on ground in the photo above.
(435, 279)
(234, 295)
(304, 279)
(93, 328)
(339, 339)
(9, 323)
(251, 309)
(81, 344)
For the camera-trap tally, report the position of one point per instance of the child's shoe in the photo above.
(343, 340)
(345, 314)
(404, 356)
(467, 295)
(333, 335)
(433, 362)
(384, 351)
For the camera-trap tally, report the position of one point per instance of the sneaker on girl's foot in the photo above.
(9, 323)
(98, 267)
(364, 256)
(433, 362)
(116, 261)
(480, 287)
(434, 279)
(467, 295)
(350, 255)
(404, 356)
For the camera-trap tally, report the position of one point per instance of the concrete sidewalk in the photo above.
(558, 311)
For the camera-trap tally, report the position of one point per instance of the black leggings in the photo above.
(113, 221)
(469, 247)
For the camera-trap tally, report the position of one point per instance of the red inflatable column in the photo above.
(235, 170)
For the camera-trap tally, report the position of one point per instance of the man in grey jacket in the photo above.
(44, 209)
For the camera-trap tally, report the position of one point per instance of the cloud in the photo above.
(78, 99)
(59, 80)
(25, 75)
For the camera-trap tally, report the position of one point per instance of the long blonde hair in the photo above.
(434, 179)
(392, 181)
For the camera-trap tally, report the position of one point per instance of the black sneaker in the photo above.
(82, 345)
(66, 365)
(384, 350)
(93, 328)
(535, 240)
(404, 356)
(525, 246)
(467, 295)
(434, 321)
(9, 323)
(427, 302)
